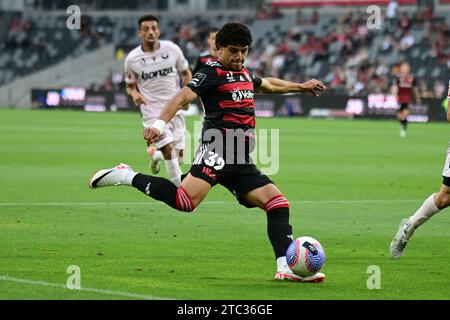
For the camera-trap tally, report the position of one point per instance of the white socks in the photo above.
(282, 264)
(128, 176)
(157, 156)
(425, 212)
(172, 166)
(174, 171)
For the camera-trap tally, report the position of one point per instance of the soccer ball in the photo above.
(305, 256)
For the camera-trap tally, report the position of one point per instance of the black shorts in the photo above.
(239, 179)
(446, 181)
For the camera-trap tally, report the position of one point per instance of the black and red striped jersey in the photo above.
(227, 96)
(406, 86)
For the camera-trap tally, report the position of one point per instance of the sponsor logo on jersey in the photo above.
(230, 77)
(155, 74)
(198, 79)
(208, 172)
(237, 95)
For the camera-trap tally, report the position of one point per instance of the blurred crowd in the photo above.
(345, 54)
(367, 61)
(30, 45)
(356, 70)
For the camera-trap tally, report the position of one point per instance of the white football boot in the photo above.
(291, 276)
(404, 233)
(155, 165)
(285, 273)
(120, 175)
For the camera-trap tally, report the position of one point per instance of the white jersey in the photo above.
(446, 171)
(156, 75)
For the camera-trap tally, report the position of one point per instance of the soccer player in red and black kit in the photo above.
(208, 56)
(226, 88)
(404, 88)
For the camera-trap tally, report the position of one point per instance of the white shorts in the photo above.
(446, 171)
(174, 132)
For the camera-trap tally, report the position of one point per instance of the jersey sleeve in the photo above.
(129, 75)
(256, 81)
(182, 63)
(204, 80)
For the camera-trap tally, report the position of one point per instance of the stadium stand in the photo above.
(35, 43)
(335, 47)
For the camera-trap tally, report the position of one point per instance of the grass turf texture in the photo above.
(349, 183)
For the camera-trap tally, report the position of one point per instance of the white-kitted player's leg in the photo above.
(173, 169)
(166, 145)
(165, 149)
(179, 136)
(156, 157)
(446, 170)
(432, 205)
(154, 153)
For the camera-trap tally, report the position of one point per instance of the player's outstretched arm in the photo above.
(186, 76)
(275, 85)
(184, 96)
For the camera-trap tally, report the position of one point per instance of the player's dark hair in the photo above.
(234, 33)
(148, 17)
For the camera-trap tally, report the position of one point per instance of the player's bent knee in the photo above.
(184, 202)
(180, 155)
(279, 201)
(443, 199)
(168, 152)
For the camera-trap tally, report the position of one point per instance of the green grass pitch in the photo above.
(349, 184)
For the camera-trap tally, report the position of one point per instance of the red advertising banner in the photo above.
(301, 3)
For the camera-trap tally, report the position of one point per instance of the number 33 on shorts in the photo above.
(215, 161)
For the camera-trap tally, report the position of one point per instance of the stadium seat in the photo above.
(43, 41)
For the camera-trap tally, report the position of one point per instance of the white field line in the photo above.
(97, 291)
(152, 203)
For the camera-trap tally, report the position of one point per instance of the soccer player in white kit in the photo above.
(152, 78)
(432, 205)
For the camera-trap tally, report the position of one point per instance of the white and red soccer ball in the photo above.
(305, 256)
